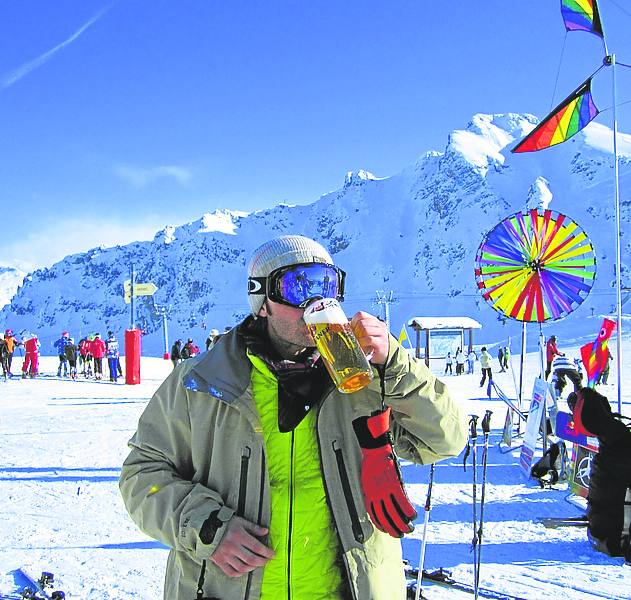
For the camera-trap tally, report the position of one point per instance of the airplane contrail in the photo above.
(25, 69)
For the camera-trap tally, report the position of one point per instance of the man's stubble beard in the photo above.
(287, 348)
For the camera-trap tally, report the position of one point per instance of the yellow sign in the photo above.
(140, 289)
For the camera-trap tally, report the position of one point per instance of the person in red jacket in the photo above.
(97, 349)
(551, 352)
(31, 354)
(190, 350)
(85, 358)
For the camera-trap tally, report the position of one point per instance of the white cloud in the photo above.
(140, 177)
(47, 245)
(26, 68)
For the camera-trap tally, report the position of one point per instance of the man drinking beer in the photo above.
(267, 481)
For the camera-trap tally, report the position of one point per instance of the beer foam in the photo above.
(327, 310)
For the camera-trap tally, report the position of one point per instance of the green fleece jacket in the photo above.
(199, 449)
(301, 531)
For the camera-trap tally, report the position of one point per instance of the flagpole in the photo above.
(521, 371)
(612, 61)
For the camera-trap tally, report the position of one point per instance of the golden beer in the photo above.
(343, 357)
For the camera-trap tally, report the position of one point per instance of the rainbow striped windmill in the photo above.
(535, 266)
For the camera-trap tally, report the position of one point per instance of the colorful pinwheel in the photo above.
(535, 266)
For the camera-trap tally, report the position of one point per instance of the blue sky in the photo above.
(122, 117)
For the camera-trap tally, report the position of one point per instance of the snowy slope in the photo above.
(414, 233)
(10, 280)
(63, 443)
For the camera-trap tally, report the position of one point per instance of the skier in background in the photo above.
(485, 363)
(471, 358)
(60, 344)
(449, 361)
(4, 357)
(211, 339)
(31, 354)
(97, 350)
(604, 374)
(460, 361)
(506, 357)
(226, 329)
(176, 353)
(551, 352)
(190, 350)
(12, 343)
(113, 354)
(563, 367)
(85, 358)
(500, 358)
(71, 355)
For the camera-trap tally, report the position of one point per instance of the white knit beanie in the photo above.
(281, 252)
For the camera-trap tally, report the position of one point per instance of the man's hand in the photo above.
(372, 335)
(240, 552)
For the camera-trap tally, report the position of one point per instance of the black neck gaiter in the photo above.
(302, 382)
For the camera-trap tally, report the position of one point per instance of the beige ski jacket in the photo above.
(199, 449)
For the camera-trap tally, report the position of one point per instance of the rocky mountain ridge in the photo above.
(414, 233)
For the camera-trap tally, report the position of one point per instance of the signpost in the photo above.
(140, 289)
(132, 335)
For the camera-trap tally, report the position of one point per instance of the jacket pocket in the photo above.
(348, 495)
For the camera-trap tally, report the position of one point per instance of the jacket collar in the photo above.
(223, 372)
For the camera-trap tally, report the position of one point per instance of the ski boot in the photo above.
(46, 581)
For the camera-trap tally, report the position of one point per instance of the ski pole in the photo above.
(486, 428)
(473, 437)
(428, 507)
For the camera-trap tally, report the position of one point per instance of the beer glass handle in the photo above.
(381, 370)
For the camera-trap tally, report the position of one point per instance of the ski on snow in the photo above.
(555, 522)
(443, 578)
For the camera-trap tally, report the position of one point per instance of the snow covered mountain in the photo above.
(10, 280)
(414, 233)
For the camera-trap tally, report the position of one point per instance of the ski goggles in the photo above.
(296, 285)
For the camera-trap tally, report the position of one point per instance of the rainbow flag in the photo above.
(566, 120)
(581, 15)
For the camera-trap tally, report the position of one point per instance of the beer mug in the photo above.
(343, 357)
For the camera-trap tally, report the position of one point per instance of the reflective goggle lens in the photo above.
(297, 284)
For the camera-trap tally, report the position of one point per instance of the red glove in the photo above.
(386, 502)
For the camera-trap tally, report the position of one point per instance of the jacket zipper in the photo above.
(243, 480)
(348, 495)
(291, 514)
(328, 499)
(248, 584)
